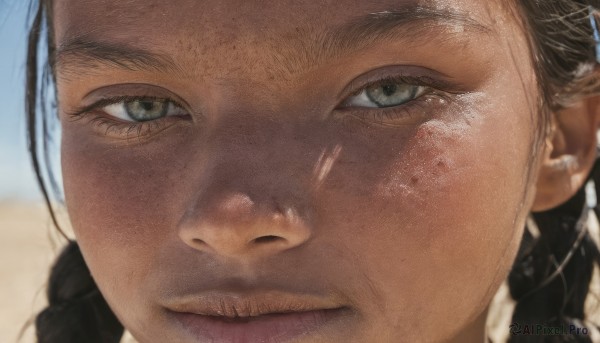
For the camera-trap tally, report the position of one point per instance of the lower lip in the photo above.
(269, 328)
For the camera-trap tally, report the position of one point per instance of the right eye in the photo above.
(143, 109)
(386, 93)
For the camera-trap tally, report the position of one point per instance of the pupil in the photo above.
(147, 105)
(389, 89)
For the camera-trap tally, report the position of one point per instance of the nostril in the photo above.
(198, 241)
(267, 239)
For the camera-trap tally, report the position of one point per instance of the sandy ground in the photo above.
(25, 253)
(29, 244)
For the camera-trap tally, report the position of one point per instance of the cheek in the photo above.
(445, 208)
(121, 203)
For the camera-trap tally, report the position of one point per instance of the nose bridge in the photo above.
(266, 152)
(252, 132)
(255, 200)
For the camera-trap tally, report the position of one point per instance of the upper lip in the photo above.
(251, 303)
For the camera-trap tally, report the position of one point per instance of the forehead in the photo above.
(224, 27)
(254, 15)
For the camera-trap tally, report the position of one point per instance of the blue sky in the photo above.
(16, 176)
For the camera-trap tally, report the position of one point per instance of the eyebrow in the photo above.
(83, 53)
(384, 25)
(410, 22)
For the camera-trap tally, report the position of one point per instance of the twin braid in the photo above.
(77, 312)
(551, 276)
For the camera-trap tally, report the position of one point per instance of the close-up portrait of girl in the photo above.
(318, 171)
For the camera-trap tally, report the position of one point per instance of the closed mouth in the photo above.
(266, 328)
(255, 317)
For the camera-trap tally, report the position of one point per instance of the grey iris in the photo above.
(143, 110)
(391, 93)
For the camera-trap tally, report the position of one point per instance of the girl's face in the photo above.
(372, 158)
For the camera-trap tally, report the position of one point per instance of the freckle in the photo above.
(414, 179)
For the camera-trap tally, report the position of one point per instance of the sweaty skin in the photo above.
(268, 177)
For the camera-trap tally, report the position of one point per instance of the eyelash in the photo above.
(435, 89)
(119, 128)
(376, 115)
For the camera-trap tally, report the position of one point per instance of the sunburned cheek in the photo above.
(453, 215)
(473, 185)
(435, 204)
(448, 185)
(430, 161)
(407, 172)
(408, 181)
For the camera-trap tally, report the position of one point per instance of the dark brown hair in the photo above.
(551, 275)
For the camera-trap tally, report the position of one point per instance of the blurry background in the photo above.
(15, 171)
(26, 235)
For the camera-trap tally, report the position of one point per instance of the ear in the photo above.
(570, 153)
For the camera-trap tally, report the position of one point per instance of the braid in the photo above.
(551, 276)
(77, 312)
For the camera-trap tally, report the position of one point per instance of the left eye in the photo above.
(385, 94)
(139, 110)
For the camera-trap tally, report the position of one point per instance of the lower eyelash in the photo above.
(407, 114)
(386, 116)
(119, 128)
(109, 127)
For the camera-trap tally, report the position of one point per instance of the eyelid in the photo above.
(436, 93)
(421, 91)
(129, 91)
(109, 126)
(409, 113)
(419, 76)
(126, 131)
(122, 99)
(119, 109)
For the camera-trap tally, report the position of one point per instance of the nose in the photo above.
(236, 226)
